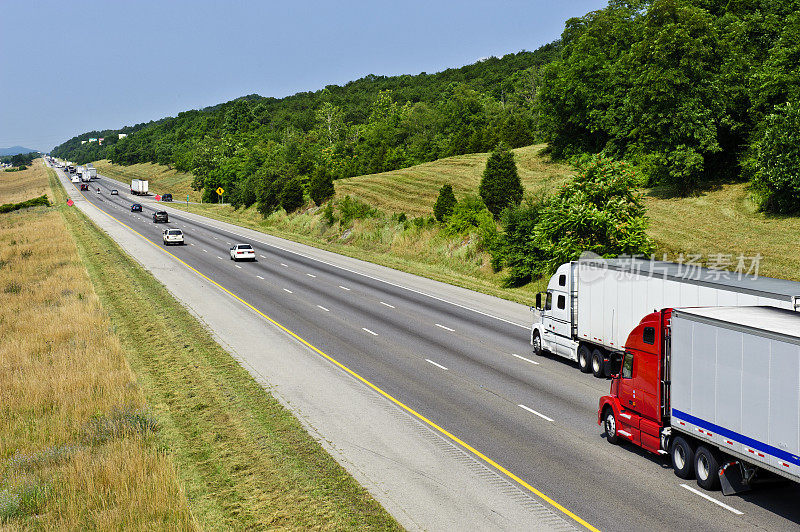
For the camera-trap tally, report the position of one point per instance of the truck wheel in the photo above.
(610, 424)
(537, 343)
(598, 364)
(706, 467)
(682, 458)
(584, 359)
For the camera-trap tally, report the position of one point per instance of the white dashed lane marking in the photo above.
(445, 328)
(435, 364)
(534, 412)
(712, 499)
(525, 359)
(344, 288)
(367, 330)
(387, 304)
(287, 290)
(323, 308)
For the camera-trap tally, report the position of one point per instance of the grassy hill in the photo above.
(162, 179)
(414, 190)
(722, 221)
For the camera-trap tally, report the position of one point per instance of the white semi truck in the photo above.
(139, 187)
(90, 171)
(591, 305)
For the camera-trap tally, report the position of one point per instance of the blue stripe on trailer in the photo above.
(741, 438)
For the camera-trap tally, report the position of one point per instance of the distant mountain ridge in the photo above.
(15, 150)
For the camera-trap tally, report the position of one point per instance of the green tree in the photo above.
(292, 195)
(500, 185)
(445, 203)
(775, 161)
(599, 210)
(321, 188)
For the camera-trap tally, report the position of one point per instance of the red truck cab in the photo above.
(637, 408)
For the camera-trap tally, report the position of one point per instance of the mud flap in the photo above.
(732, 479)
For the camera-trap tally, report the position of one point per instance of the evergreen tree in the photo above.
(321, 187)
(292, 195)
(445, 203)
(500, 186)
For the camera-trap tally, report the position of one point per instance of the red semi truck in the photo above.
(716, 388)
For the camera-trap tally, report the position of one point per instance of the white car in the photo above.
(173, 236)
(243, 252)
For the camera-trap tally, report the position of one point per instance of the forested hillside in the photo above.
(253, 145)
(693, 92)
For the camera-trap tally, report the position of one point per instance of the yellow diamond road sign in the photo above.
(220, 191)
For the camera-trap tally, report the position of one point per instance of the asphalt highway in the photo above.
(470, 374)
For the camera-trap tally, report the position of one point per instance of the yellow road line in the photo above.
(391, 398)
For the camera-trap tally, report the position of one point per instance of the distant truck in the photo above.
(716, 388)
(90, 171)
(591, 305)
(139, 187)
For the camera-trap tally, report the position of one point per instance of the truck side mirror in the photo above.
(539, 301)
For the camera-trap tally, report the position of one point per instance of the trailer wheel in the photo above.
(610, 424)
(682, 458)
(537, 343)
(584, 358)
(706, 467)
(598, 364)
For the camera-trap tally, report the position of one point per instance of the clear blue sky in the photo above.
(71, 66)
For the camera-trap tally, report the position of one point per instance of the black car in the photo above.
(160, 216)
(166, 197)
(114, 192)
(136, 208)
(84, 186)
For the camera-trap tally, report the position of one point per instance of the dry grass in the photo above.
(63, 372)
(24, 185)
(245, 461)
(161, 179)
(414, 190)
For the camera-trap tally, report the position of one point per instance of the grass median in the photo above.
(243, 459)
(78, 444)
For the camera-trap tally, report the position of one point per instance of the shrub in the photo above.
(470, 215)
(445, 203)
(292, 195)
(774, 161)
(599, 210)
(321, 186)
(41, 200)
(353, 209)
(327, 213)
(500, 185)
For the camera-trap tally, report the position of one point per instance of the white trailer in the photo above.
(591, 305)
(139, 187)
(90, 171)
(735, 386)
